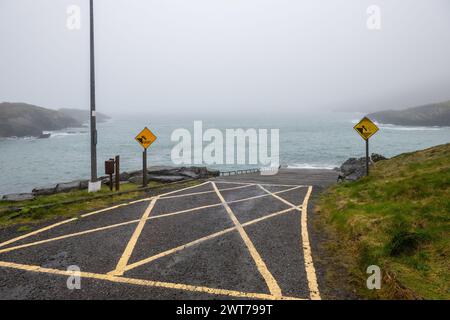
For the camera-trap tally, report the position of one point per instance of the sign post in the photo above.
(366, 128)
(144, 168)
(367, 157)
(145, 139)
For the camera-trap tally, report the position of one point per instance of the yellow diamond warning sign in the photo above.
(145, 138)
(366, 128)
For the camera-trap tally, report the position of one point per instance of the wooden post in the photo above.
(110, 182)
(117, 162)
(144, 168)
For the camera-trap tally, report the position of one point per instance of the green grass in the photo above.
(397, 218)
(32, 211)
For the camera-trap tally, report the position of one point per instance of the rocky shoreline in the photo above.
(351, 170)
(163, 174)
(355, 168)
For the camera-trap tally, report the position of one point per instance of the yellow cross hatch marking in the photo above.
(70, 235)
(309, 265)
(268, 277)
(192, 243)
(123, 266)
(133, 240)
(147, 283)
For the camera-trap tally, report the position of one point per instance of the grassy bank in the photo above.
(398, 219)
(25, 213)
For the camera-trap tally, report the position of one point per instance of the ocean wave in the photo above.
(311, 166)
(388, 126)
(65, 134)
(18, 138)
(402, 128)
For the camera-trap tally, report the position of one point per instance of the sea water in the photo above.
(322, 140)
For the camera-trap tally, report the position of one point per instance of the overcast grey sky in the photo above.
(172, 56)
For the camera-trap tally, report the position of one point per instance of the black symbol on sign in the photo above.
(142, 139)
(362, 129)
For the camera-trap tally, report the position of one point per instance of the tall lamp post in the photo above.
(94, 185)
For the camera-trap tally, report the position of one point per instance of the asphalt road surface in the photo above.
(232, 237)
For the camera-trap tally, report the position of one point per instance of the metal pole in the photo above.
(144, 168)
(367, 157)
(92, 113)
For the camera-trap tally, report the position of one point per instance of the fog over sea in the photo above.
(310, 141)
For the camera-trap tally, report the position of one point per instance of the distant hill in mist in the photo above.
(23, 120)
(436, 114)
(83, 115)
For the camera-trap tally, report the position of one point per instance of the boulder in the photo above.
(355, 168)
(135, 179)
(166, 179)
(68, 186)
(84, 184)
(377, 157)
(164, 170)
(15, 197)
(189, 174)
(213, 172)
(128, 174)
(124, 176)
(43, 191)
(158, 178)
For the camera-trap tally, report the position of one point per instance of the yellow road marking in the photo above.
(183, 189)
(133, 240)
(113, 207)
(147, 283)
(140, 200)
(263, 184)
(275, 195)
(70, 235)
(36, 232)
(205, 192)
(309, 265)
(209, 237)
(89, 214)
(270, 280)
(229, 202)
(179, 248)
(312, 281)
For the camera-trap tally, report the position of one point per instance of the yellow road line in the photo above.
(147, 283)
(220, 203)
(89, 214)
(264, 184)
(309, 265)
(183, 189)
(133, 240)
(113, 207)
(204, 192)
(275, 195)
(140, 200)
(36, 232)
(179, 248)
(270, 280)
(70, 235)
(209, 237)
